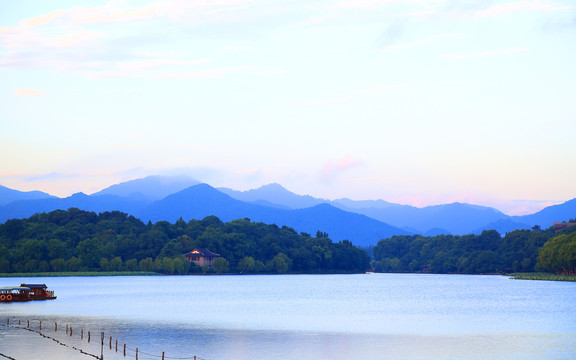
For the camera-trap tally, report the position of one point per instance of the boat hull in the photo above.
(25, 292)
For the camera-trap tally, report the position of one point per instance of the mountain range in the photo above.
(157, 198)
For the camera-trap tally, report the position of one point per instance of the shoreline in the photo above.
(79, 273)
(543, 276)
(513, 276)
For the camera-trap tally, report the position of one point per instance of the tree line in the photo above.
(78, 240)
(559, 254)
(518, 251)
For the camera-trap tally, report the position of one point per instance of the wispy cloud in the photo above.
(427, 41)
(465, 56)
(115, 12)
(238, 48)
(520, 6)
(371, 4)
(43, 19)
(28, 92)
(272, 72)
(322, 102)
(332, 168)
(346, 97)
(204, 74)
(100, 41)
(384, 179)
(135, 146)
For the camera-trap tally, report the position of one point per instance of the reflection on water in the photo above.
(299, 317)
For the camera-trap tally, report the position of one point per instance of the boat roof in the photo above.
(10, 288)
(35, 285)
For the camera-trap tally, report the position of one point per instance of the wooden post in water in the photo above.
(102, 346)
(162, 355)
(82, 334)
(28, 326)
(88, 336)
(124, 349)
(66, 328)
(70, 330)
(110, 342)
(40, 325)
(136, 353)
(116, 345)
(19, 323)
(55, 326)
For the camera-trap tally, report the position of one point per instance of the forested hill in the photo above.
(76, 240)
(517, 251)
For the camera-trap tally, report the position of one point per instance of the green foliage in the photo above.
(221, 265)
(543, 276)
(247, 265)
(559, 254)
(280, 264)
(77, 240)
(147, 264)
(468, 254)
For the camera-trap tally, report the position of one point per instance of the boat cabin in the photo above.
(38, 290)
(202, 257)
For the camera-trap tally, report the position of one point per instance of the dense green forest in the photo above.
(517, 251)
(77, 240)
(559, 254)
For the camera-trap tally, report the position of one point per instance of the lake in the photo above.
(366, 316)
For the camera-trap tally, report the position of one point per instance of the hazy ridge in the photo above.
(364, 222)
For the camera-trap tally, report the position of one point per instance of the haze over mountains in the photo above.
(364, 222)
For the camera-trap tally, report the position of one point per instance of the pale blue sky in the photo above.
(411, 101)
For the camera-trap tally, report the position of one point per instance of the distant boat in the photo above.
(26, 292)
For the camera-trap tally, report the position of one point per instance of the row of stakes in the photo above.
(69, 330)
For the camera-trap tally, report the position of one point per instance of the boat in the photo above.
(26, 292)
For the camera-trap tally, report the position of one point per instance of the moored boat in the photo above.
(26, 292)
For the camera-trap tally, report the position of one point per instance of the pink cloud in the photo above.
(250, 171)
(44, 19)
(28, 92)
(333, 168)
(46, 40)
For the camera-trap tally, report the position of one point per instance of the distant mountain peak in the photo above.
(274, 193)
(274, 186)
(8, 195)
(154, 187)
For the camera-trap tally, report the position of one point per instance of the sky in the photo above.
(417, 102)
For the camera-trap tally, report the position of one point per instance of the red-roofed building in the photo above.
(563, 225)
(202, 257)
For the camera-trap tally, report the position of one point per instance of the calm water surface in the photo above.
(371, 316)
